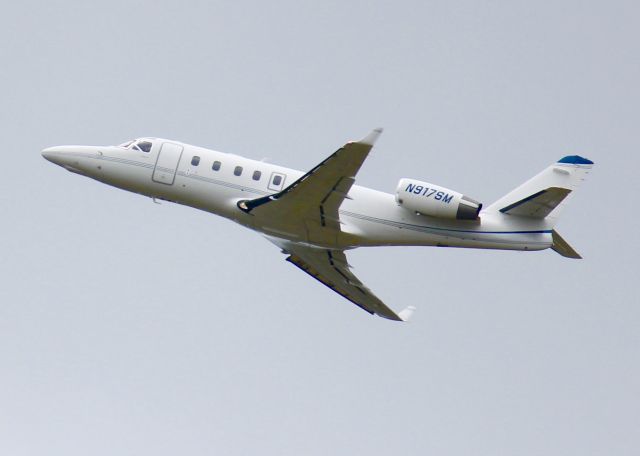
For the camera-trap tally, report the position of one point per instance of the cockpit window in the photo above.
(136, 144)
(145, 146)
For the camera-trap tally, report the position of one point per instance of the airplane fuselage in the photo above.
(215, 182)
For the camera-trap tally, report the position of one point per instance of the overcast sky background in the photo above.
(131, 328)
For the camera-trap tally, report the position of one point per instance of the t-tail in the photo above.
(545, 195)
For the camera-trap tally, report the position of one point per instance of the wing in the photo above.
(330, 267)
(314, 200)
(318, 194)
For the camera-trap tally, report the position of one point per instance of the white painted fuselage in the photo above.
(367, 217)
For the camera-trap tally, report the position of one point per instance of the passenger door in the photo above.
(167, 163)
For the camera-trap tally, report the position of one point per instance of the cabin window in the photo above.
(216, 166)
(277, 179)
(256, 175)
(195, 161)
(237, 171)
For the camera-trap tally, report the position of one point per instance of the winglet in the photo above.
(406, 314)
(372, 137)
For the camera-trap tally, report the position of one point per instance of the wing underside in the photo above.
(316, 197)
(330, 268)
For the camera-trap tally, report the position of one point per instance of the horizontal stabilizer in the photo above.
(538, 205)
(562, 247)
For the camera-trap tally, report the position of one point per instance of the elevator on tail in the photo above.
(315, 217)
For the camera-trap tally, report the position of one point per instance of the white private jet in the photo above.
(314, 217)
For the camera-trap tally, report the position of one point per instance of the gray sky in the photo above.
(130, 328)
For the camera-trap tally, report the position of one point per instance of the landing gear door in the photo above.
(276, 181)
(167, 163)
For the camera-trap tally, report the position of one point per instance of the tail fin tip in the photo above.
(575, 160)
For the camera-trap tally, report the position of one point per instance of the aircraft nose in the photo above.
(53, 154)
(49, 152)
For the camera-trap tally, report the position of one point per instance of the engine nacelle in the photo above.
(428, 199)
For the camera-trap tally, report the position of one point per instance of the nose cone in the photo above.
(54, 154)
(77, 159)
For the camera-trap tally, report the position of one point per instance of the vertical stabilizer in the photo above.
(546, 194)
